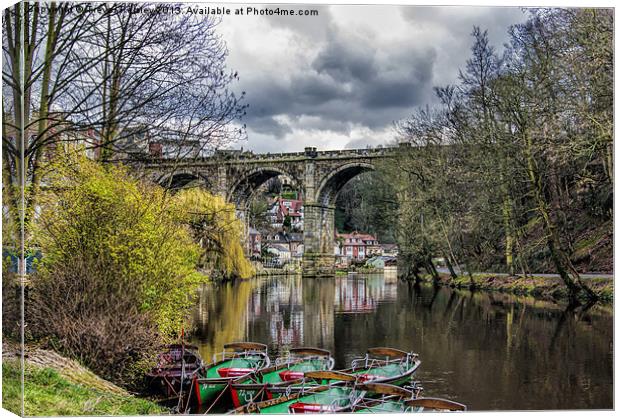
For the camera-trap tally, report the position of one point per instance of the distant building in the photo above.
(292, 241)
(381, 261)
(389, 249)
(356, 246)
(280, 251)
(282, 209)
(171, 145)
(255, 238)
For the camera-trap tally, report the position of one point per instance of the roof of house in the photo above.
(294, 209)
(389, 246)
(282, 236)
(279, 247)
(357, 235)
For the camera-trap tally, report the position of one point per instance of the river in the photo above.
(491, 351)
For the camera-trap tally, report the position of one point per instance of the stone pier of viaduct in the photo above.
(318, 175)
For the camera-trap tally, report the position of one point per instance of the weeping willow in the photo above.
(217, 230)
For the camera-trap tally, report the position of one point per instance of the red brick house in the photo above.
(283, 208)
(356, 246)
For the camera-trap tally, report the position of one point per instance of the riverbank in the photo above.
(55, 385)
(551, 288)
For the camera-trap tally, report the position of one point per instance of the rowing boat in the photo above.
(237, 360)
(379, 365)
(316, 397)
(178, 363)
(287, 371)
(384, 398)
(385, 365)
(434, 404)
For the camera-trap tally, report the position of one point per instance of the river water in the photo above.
(491, 351)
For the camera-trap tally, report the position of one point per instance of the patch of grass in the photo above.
(48, 393)
(588, 242)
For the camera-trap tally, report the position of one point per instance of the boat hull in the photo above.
(217, 377)
(269, 383)
(179, 363)
(328, 399)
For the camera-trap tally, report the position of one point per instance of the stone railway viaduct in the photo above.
(318, 175)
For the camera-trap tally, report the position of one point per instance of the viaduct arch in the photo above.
(319, 175)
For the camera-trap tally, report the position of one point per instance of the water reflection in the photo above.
(491, 351)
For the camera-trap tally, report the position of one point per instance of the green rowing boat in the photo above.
(335, 397)
(287, 371)
(235, 361)
(346, 394)
(385, 365)
(380, 365)
(383, 398)
(434, 404)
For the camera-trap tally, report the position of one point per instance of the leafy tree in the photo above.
(257, 212)
(117, 275)
(368, 203)
(514, 164)
(287, 222)
(216, 228)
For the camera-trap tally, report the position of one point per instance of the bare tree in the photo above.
(112, 78)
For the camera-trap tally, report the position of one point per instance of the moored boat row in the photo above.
(241, 379)
(352, 397)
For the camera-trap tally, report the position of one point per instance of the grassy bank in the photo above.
(59, 389)
(542, 287)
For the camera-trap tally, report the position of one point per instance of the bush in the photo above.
(84, 312)
(11, 305)
(117, 275)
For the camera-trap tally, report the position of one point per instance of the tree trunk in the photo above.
(43, 116)
(453, 274)
(415, 272)
(560, 259)
(432, 270)
(509, 234)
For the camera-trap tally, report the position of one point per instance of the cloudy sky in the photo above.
(340, 79)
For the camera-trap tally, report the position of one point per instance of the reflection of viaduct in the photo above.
(319, 175)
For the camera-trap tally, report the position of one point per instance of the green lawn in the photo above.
(48, 393)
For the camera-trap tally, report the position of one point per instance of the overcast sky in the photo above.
(340, 79)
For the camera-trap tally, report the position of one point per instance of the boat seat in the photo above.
(233, 371)
(304, 408)
(367, 377)
(289, 375)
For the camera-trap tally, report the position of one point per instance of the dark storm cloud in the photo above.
(454, 25)
(352, 72)
(268, 125)
(312, 89)
(404, 87)
(349, 81)
(346, 62)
